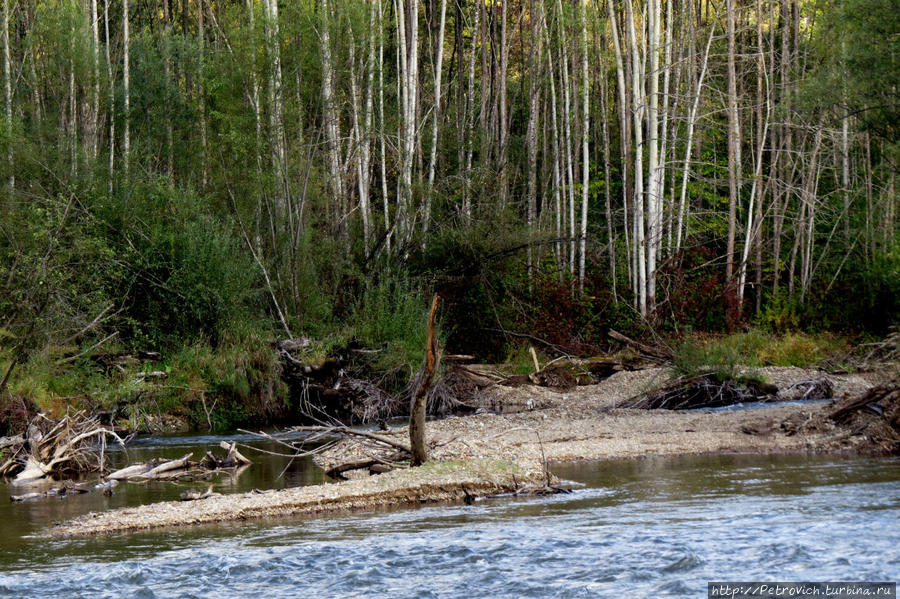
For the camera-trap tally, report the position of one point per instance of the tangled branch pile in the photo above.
(56, 448)
(704, 391)
(875, 414)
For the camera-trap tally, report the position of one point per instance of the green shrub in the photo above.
(391, 313)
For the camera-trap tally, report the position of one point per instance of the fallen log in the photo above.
(178, 464)
(134, 470)
(657, 352)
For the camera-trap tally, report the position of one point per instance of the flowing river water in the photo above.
(653, 527)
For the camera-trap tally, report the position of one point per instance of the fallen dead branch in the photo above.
(663, 353)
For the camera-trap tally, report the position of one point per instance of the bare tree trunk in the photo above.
(7, 81)
(382, 131)
(809, 202)
(504, 118)
(112, 99)
(276, 109)
(94, 117)
(332, 122)
(423, 389)
(607, 196)
(734, 144)
(624, 128)
(654, 201)
(756, 189)
(845, 174)
(782, 196)
(638, 116)
(535, 62)
(408, 25)
(470, 118)
(556, 159)
(73, 111)
(435, 124)
(201, 92)
(167, 67)
(585, 158)
(567, 138)
(126, 82)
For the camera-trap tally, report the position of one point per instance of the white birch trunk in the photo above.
(585, 157)
(534, 92)
(93, 128)
(126, 82)
(332, 123)
(112, 100)
(683, 215)
(436, 120)
(470, 118)
(383, 129)
(7, 85)
(638, 116)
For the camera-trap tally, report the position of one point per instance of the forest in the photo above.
(185, 182)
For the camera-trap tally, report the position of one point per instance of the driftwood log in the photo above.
(182, 467)
(56, 448)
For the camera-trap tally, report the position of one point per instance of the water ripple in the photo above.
(626, 537)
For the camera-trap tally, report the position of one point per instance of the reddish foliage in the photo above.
(693, 292)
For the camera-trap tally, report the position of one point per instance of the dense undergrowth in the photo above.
(165, 318)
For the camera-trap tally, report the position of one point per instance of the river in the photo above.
(653, 527)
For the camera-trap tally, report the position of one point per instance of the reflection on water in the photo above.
(646, 528)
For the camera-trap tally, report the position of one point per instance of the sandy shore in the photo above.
(490, 453)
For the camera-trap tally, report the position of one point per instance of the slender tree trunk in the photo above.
(112, 100)
(654, 201)
(126, 83)
(383, 131)
(470, 119)
(201, 90)
(624, 128)
(332, 123)
(556, 159)
(408, 25)
(638, 116)
(167, 66)
(567, 137)
(7, 84)
(276, 110)
(436, 120)
(504, 118)
(607, 196)
(94, 117)
(734, 144)
(535, 62)
(585, 158)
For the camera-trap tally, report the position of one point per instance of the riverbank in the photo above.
(491, 453)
